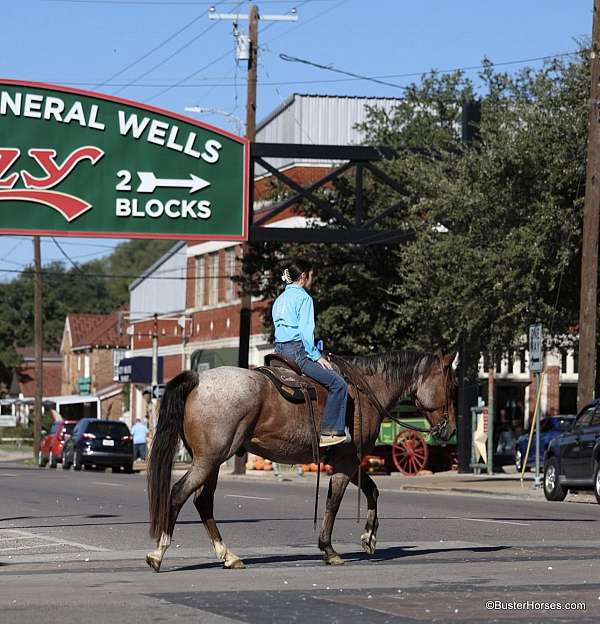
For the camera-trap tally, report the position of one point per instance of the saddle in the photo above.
(288, 379)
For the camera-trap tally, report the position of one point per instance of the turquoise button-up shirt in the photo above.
(294, 318)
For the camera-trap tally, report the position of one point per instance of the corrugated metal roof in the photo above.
(319, 120)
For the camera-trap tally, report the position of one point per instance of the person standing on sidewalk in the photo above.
(294, 319)
(140, 433)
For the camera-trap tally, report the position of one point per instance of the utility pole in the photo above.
(38, 339)
(252, 56)
(589, 257)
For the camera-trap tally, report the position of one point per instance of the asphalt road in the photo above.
(72, 549)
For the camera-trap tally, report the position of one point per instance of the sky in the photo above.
(171, 55)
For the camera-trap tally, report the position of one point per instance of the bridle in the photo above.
(362, 386)
(436, 429)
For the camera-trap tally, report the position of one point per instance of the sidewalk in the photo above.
(14, 455)
(501, 485)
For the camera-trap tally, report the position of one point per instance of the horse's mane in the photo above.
(400, 368)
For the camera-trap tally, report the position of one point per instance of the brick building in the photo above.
(91, 348)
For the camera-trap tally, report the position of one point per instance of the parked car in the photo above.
(100, 443)
(572, 460)
(51, 445)
(550, 428)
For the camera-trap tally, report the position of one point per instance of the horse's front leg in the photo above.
(337, 486)
(368, 539)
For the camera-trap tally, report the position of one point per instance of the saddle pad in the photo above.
(288, 384)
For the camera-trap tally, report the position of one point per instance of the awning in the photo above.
(139, 370)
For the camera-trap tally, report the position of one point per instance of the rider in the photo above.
(294, 320)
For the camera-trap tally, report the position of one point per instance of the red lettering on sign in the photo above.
(8, 155)
(56, 173)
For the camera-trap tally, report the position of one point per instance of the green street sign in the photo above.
(80, 163)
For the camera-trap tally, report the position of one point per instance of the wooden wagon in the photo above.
(409, 451)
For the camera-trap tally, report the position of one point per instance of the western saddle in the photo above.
(289, 380)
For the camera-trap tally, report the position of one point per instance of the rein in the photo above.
(350, 374)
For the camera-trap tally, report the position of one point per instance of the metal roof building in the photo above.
(319, 120)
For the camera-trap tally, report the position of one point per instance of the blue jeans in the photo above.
(139, 451)
(334, 419)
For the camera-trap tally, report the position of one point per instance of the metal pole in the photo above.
(538, 479)
(239, 463)
(38, 337)
(490, 432)
(589, 256)
(154, 401)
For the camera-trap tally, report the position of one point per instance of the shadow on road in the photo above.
(385, 554)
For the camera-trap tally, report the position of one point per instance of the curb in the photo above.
(456, 490)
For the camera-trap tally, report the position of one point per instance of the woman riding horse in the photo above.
(294, 320)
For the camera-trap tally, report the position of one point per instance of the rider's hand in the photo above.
(324, 363)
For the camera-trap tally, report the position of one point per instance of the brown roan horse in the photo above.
(227, 410)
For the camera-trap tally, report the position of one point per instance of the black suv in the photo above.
(101, 443)
(572, 460)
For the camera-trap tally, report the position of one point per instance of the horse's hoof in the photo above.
(334, 560)
(368, 545)
(236, 564)
(153, 562)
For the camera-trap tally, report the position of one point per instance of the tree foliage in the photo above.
(497, 224)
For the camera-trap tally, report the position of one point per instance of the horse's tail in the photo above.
(164, 445)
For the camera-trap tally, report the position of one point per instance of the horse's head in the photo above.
(434, 396)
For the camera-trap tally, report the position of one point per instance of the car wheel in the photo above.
(128, 468)
(518, 461)
(597, 482)
(66, 464)
(553, 490)
(41, 461)
(116, 469)
(76, 461)
(52, 460)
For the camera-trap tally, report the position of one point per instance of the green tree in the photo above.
(496, 226)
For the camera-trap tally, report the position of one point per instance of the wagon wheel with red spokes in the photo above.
(409, 452)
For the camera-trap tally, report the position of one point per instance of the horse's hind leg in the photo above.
(192, 480)
(369, 538)
(204, 503)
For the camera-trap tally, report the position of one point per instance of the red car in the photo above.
(51, 446)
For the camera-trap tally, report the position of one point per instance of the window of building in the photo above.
(230, 285)
(213, 278)
(118, 355)
(200, 281)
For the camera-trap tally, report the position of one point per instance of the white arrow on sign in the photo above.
(149, 182)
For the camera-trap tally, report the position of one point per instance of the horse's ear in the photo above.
(447, 360)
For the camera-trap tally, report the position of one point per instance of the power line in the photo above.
(179, 84)
(197, 71)
(308, 21)
(114, 276)
(295, 59)
(176, 52)
(154, 49)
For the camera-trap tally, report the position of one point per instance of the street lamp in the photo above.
(202, 110)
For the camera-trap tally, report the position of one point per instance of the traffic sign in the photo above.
(81, 163)
(158, 391)
(535, 347)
